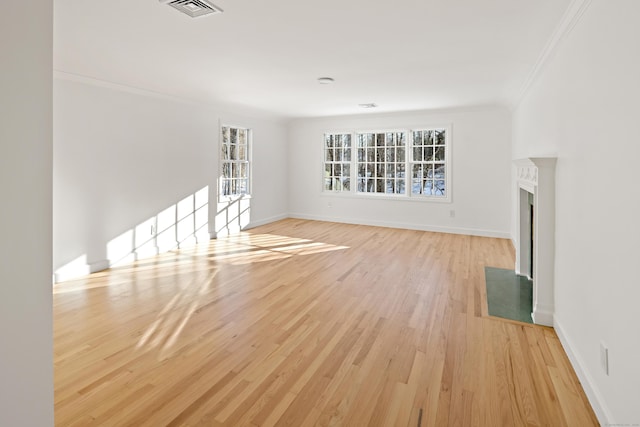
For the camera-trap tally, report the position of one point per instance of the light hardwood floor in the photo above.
(307, 323)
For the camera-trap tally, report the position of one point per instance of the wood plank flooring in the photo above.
(302, 323)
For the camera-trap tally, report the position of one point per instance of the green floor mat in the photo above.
(509, 295)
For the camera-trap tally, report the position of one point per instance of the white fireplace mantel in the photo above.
(536, 175)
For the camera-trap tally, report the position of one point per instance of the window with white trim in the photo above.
(381, 162)
(400, 163)
(337, 162)
(428, 165)
(235, 159)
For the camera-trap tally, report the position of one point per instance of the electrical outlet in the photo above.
(452, 213)
(604, 358)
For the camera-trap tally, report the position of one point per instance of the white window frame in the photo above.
(409, 162)
(327, 164)
(248, 162)
(383, 163)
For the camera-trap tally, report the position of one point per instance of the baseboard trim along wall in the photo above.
(86, 269)
(407, 226)
(265, 221)
(595, 398)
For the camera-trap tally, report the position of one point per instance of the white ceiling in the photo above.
(402, 54)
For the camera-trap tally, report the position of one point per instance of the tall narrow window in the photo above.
(428, 163)
(235, 161)
(337, 162)
(381, 162)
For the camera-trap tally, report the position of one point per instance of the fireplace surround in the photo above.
(535, 231)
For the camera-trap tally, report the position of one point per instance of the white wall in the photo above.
(26, 344)
(480, 161)
(584, 106)
(122, 156)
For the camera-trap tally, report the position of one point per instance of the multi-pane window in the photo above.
(403, 163)
(235, 161)
(337, 162)
(381, 162)
(428, 165)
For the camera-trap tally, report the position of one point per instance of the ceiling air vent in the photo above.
(193, 8)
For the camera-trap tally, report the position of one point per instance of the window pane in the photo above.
(439, 171)
(242, 152)
(226, 170)
(417, 138)
(417, 171)
(390, 186)
(328, 155)
(242, 136)
(391, 170)
(427, 187)
(233, 135)
(428, 171)
(243, 186)
(400, 154)
(439, 188)
(428, 153)
(346, 183)
(417, 154)
(371, 155)
(233, 151)
(416, 186)
(361, 171)
(327, 184)
(439, 137)
(400, 186)
(439, 154)
(428, 140)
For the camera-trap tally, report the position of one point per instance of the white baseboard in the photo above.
(595, 398)
(99, 265)
(408, 226)
(265, 221)
(65, 274)
(542, 315)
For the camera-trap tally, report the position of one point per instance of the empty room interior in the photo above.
(244, 213)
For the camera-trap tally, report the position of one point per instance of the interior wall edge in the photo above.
(595, 397)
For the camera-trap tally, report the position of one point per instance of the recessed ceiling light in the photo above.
(325, 80)
(369, 105)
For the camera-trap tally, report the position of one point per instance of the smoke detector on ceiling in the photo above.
(194, 8)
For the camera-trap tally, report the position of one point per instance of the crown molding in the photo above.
(571, 17)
